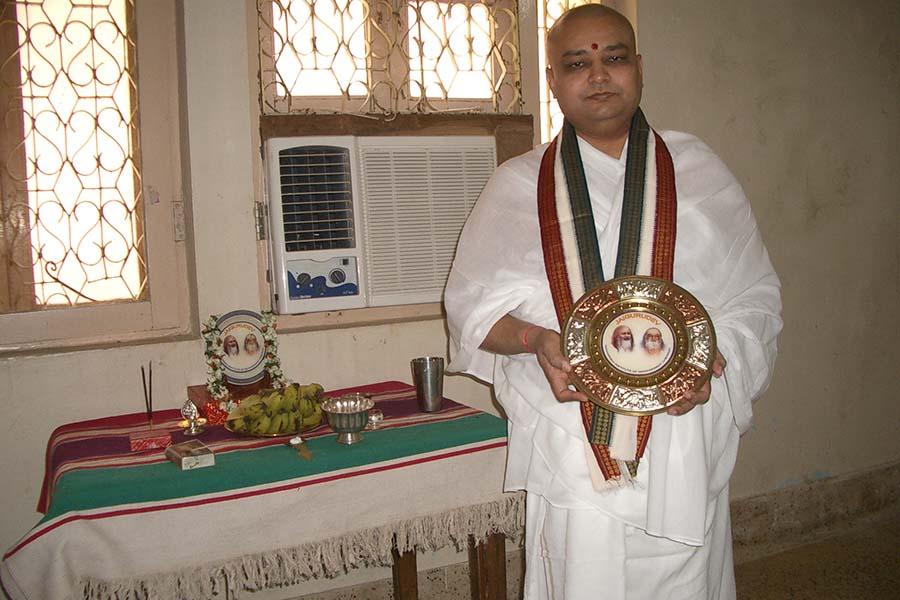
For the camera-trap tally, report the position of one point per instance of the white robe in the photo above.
(719, 257)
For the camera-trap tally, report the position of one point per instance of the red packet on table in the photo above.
(214, 411)
(149, 439)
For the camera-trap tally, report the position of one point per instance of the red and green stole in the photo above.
(573, 263)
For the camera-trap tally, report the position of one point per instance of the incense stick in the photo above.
(148, 401)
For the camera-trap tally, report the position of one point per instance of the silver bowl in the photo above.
(348, 415)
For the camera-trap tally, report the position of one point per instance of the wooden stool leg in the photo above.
(487, 568)
(406, 584)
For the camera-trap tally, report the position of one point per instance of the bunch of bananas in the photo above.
(284, 411)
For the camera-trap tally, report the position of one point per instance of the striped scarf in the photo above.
(574, 266)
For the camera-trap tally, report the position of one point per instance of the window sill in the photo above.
(61, 346)
(359, 317)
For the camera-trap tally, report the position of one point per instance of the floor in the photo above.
(861, 562)
(857, 560)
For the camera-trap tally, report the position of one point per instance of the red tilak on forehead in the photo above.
(594, 46)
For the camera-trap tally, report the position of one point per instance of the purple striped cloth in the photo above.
(104, 443)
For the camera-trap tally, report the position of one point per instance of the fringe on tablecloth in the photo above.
(326, 558)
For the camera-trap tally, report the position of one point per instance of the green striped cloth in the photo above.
(105, 487)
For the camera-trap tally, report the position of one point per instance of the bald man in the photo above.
(618, 507)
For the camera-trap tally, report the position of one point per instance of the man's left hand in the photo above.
(701, 396)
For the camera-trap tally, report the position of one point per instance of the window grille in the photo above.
(70, 192)
(549, 11)
(388, 56)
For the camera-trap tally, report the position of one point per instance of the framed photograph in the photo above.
(241, 349)
(638, 344)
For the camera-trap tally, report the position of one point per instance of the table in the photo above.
(120, 523)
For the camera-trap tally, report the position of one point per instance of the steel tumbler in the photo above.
(428, 377)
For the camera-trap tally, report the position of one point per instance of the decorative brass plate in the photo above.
(637, 344)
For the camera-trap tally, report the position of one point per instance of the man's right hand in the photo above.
(546, 344)
(510, 335)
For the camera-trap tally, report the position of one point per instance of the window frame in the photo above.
(383, 17)
(166, 311)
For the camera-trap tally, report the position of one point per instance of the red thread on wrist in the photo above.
(525, 337)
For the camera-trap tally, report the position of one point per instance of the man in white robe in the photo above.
(666, 533)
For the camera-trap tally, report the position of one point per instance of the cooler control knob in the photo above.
(337, 276)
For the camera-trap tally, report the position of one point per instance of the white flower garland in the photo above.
(215, 376)
(273, 363)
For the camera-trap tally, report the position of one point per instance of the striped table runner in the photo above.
(104, 443)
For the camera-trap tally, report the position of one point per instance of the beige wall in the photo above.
(800, 100)
(42, 392)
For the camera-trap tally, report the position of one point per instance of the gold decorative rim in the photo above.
(601, 340)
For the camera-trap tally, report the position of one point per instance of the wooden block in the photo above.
(406, 584)
(487, 568)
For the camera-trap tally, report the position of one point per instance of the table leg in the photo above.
(406, 585)
(487, 568)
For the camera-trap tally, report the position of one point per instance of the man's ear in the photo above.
(640, 66)
(551, 80)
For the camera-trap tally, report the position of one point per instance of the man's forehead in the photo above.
(580, 33)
